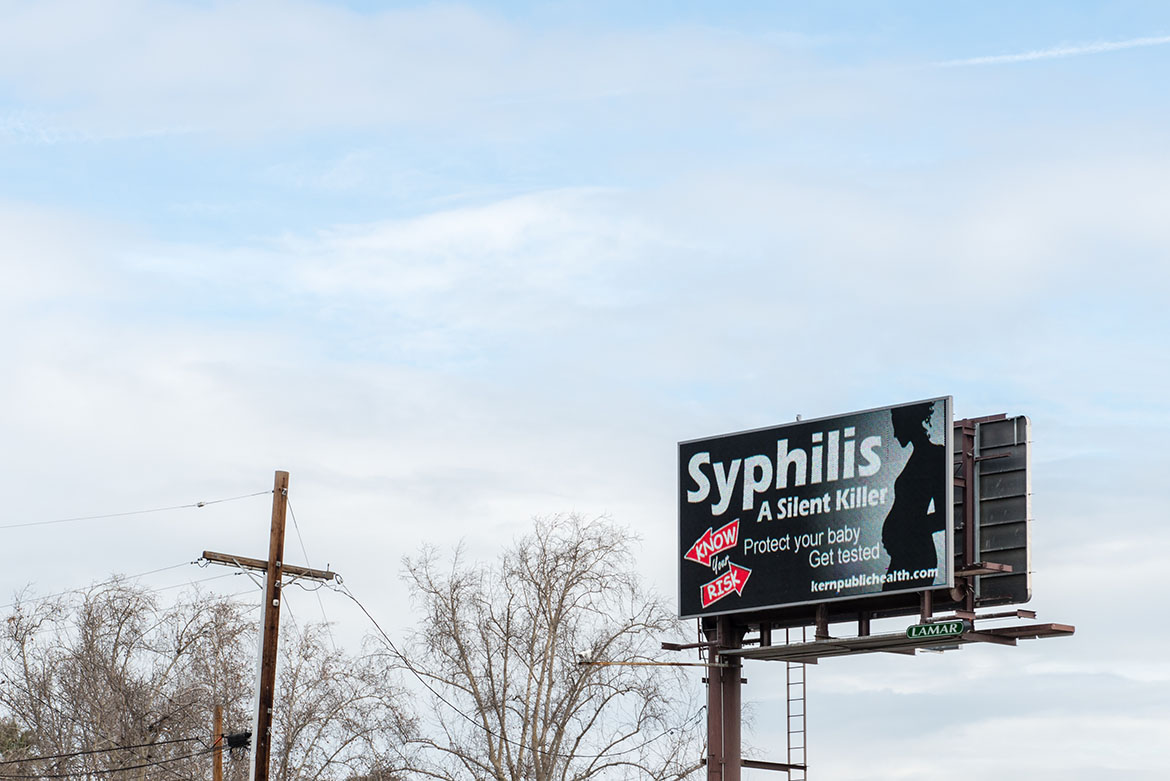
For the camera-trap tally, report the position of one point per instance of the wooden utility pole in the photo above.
(262, 740)
(274, 570)
(217, 744)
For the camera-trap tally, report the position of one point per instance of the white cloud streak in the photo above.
(1059, 52)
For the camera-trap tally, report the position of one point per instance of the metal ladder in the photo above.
(797, 721)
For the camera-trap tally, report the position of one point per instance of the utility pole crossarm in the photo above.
(262, 566)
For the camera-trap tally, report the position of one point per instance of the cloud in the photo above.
(1058, 52)
(52, 259)
(668, 286)
(251, 67)
(1089, 741)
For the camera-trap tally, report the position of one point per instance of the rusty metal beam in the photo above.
(988, 637)
(983, 568)
(1005, 614)
(822, 622)
(810, 652)
(1032, 631)
(760, 764)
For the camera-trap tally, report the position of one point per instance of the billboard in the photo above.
(817, 511)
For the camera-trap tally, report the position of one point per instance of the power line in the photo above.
(117, 769)
(193, 582)
(114, 580)
(75, 720)
(46, 629)
(101, 750)
(133, 512)
(96, 585)
(309, 564)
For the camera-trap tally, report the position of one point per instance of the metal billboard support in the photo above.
(724, 704)
(724, 760)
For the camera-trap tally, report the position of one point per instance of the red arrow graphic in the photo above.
(733, 580)
(713, 542)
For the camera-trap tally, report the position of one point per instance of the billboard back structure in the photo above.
(1002, 513)
(838, 508)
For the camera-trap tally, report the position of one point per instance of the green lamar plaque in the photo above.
(938, 629)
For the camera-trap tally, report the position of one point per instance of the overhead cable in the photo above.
(309, 564)
(134, 512)
(140, 766)
(74, 719)
(100, 750)
(97, 585)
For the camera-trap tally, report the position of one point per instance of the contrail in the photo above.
(1058, 52)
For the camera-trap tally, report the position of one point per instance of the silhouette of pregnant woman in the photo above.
(919, 493)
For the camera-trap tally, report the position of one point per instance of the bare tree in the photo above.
(113, 680)
(538, 664)
(111, 684)
(339, 716)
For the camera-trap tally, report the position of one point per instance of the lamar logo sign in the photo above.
(939, 629)
(713, 542)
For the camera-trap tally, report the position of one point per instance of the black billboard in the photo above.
(817, 511)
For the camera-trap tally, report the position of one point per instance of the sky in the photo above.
(454, 266)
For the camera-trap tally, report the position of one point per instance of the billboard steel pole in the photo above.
(732, 713)
(970, 555)
(714, 709)
(724, 703)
